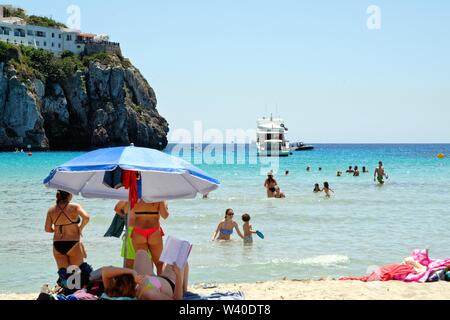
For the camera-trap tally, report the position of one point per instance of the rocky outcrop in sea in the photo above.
(100, 106)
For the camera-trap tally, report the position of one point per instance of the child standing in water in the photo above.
(248, 229)
(327, 189)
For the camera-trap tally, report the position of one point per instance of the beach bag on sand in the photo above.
(85, 271)
(437, 276)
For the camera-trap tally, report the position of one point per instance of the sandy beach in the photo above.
(318, 290)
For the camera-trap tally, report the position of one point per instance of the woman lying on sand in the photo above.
(226, 227)
(141, 283)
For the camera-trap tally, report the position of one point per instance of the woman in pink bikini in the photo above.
(147, 232)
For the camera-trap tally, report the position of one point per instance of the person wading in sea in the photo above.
(380, 174)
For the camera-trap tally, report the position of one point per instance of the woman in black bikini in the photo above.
(273, 190)
(270, 184)
(66, 221)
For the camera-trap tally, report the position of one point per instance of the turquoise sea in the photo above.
(307, 236)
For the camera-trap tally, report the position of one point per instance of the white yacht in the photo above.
(271, 138)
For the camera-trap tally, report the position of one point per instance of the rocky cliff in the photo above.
(96, 105)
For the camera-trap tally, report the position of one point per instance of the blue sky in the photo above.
(316, 62)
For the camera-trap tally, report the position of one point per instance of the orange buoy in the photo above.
(441, 156)
(30, 154)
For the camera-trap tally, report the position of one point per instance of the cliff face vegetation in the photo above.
(75, 103)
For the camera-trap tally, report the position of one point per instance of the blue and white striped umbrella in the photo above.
(164, 177)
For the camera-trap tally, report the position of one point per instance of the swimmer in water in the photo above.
(317, 188)
(273, 190)
(379, 174)
(248, 229)
(270, 185)
(350, 169)
(327, 189)
(338, 174)
(356, 172)
(226, 227)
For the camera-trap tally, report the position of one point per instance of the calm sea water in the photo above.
(307, 236)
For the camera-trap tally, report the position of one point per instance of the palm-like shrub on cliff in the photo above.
(50, 67)
(44, 22)
(30, 62)
(34, 20)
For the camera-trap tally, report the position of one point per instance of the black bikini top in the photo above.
(146, 213)
(62, 211)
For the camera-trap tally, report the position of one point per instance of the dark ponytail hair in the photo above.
(62, 196)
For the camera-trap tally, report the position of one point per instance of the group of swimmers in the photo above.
(67, 220)
(274, 191)
(379, 173)
(354, 171)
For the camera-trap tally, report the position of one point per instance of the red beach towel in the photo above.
(386, 273)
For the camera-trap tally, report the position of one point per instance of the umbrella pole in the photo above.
(127, 224)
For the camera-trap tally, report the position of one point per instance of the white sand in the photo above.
(338, 290)
(319, 290)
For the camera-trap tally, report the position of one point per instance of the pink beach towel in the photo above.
(83, 295)
(422, 257)
(406, 272)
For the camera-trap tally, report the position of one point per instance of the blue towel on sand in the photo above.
(189, 296)
(215, 296)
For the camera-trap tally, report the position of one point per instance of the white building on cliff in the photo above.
(17, 31)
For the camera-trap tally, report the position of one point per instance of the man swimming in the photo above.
(379, 174)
